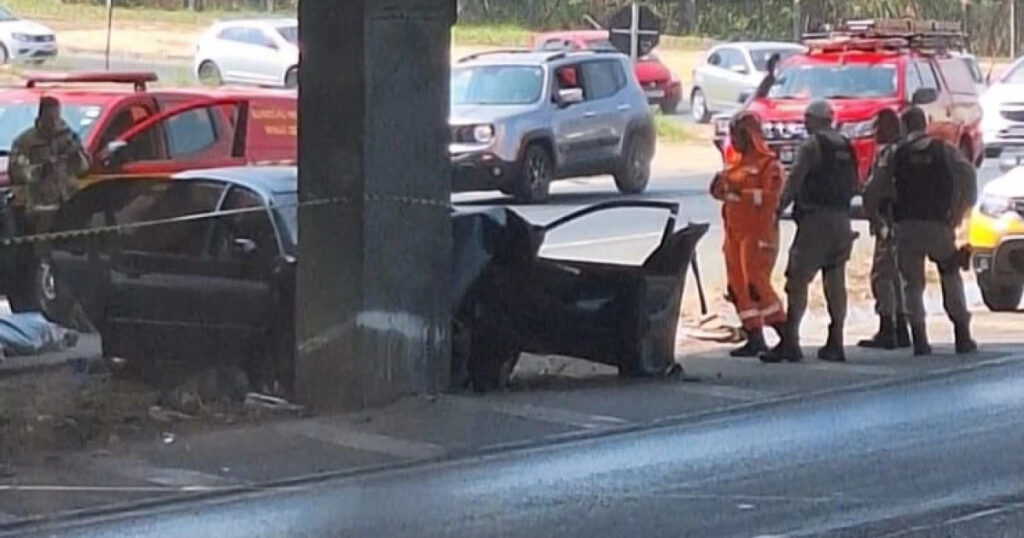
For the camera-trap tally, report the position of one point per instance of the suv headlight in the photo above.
(22, 37)
(994, 206)
(858, 129)
(483, 134)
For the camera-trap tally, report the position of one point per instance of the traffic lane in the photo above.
(802, 468)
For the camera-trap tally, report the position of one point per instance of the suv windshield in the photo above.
(761, 56)
(835, 82)
(496, 85)
(6, 15)
(1015, 75)
(16, 118)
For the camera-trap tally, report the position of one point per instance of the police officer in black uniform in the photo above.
(820, 186)
(931, 187)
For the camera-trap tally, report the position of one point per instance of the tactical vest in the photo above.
(830, 185)
(924, 183)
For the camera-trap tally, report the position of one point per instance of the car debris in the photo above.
(257, 401)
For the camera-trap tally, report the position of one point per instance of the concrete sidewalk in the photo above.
(552, 401)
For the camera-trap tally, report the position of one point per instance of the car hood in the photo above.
(21, 26)
(1000, 94)
(846, 110)
(1009, 185)
(470, 114)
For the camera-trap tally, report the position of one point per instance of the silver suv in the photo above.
(523, 119)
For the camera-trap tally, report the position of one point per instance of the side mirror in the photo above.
(110, 156)
(244, 245)
(570, 96)
(739, 69)
(925, 96)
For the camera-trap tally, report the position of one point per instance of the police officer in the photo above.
(820, 186)
(885, 276)
(931, 187)
(43, 162)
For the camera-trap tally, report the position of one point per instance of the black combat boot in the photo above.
(787, 350)
(885, 338)
(902, 332)
(755, 345)
(964, 343)
(833, 350)
(920, 337)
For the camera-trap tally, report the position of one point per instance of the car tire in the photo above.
(635, 168)
(209, 74)
(5, 56)
(291, 78)
(535, 175)
(55, 303)
(699, 106)
(669, 107)
(999, 298)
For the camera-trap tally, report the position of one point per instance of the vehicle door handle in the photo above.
(589, 114)
(623, 108)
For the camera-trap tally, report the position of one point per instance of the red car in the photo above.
(128, 129)
(860, 71)
(662, 87)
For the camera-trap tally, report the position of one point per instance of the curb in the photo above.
(72, 518)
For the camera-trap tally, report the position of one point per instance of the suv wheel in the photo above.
(1000, 298)
(635, 169)
(536, 175)
(699, 106)
(291, 79)
(670, 107)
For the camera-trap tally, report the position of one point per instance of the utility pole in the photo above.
(1013, 29)
(797, 18)
(110, 28)
(634, 34)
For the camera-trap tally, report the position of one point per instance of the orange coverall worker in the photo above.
(749, 188)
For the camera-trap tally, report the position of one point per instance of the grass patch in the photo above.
(670, 130)
(499, 35)
(89, 13)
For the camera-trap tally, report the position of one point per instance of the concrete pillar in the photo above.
(372, 312)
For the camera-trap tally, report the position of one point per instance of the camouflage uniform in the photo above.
(43, 168)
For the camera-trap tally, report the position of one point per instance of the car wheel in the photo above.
(209, 74)
(538, 170)
(4, 55)
(291, 79)
(699, 106)
(53, 302)
(635, 169)
(1000, 298)
(669, 108)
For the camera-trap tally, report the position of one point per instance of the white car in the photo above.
(1002, 125)
(730, 71)
(249, 51)
(24, 41)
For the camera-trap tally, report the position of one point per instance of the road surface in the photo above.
(925, 458)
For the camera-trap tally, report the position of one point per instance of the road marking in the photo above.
(725, 392)
(346, 435)
(550, 415)
(604, 240)
(168, 477)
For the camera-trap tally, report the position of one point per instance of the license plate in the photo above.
(786, 155)
(655, 94)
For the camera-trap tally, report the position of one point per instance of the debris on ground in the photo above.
(713, 329)
(257, 401)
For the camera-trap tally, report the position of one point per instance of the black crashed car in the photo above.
(203, 265)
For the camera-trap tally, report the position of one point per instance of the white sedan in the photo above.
(264, 52)
(24, 41)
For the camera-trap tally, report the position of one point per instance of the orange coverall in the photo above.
(749, 188)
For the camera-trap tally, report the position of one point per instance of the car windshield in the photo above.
(16, 118)
(835, 82)
(290, 34)
(1015, 75)
(761, 56)
(6, 15)
(496, 85)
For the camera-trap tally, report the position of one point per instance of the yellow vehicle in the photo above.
(996, 233)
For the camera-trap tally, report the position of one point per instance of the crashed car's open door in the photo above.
(617, 314)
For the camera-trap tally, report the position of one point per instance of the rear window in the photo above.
(761, 57)
(290, 34)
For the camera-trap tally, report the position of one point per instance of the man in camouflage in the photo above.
(43, 165)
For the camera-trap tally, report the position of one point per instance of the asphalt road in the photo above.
(920, 459)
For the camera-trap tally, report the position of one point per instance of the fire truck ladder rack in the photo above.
(890, 34)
